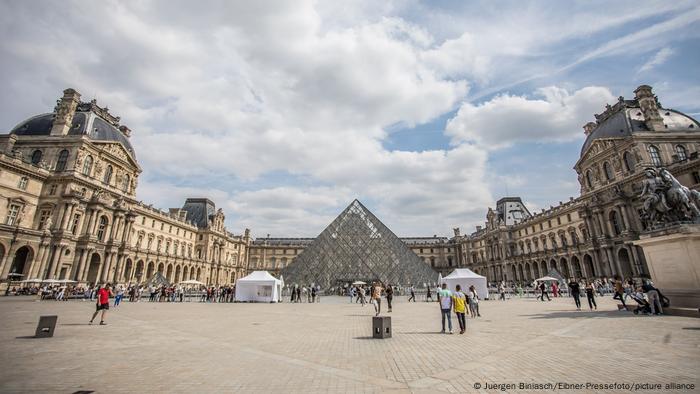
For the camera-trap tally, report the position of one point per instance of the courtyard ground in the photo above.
(326, 347)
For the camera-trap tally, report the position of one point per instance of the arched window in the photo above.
(589, 179)
(629, 161)
(609, 175)
(108, 175)
(101, 228)
(87, 166)
(23, 181)
(36, 157)
(62, 160)
(681, 152)
(615, 221)
(655, 156)
(127, 182)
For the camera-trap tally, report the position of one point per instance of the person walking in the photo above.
(590, 295)
(473, 302)
(377, 297)
(445, 302)
(555, 290)
(119, 296)
(575, 291)
(389, 295)
(653, 296)
(413, 294)
(428, 295)
(502, 291)
(313, 294)
(460, 308)
(103, 295)
(619, 292)
(543, 291)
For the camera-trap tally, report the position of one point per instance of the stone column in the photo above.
(82, 272)
(69, 217)
(87, 223)
(104, 267)
(621, 210)
(56, 261)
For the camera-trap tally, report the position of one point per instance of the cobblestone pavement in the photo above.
(326, 347)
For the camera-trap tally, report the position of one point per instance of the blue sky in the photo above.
(283, 112)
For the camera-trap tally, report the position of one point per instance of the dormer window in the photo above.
(609, 175)
(681, 152)
(655, 156)
(36, 157)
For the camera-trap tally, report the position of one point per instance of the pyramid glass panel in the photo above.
(357, 246)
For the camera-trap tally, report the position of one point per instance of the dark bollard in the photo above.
(381, 327)
(46, 326)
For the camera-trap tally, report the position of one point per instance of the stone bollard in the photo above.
(46, 326)
(381, 327)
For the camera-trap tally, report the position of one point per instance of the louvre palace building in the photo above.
(68, 181)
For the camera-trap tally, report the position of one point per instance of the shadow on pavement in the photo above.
(581, 314)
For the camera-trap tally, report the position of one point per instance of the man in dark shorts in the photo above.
(103, 295)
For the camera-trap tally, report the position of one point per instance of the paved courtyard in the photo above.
(306, 348)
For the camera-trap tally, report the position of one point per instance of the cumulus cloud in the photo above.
(557, 115)
(222, 94)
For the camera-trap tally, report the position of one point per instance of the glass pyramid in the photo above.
(357, 246)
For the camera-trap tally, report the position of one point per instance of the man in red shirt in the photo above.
(103, 295)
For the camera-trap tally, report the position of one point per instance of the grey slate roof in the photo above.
(100, 130)
(199, 210)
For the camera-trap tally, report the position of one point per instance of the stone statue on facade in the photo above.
(666, 200)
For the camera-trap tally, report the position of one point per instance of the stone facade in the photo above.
(68, 181)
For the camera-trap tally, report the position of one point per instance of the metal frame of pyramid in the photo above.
(357, 246)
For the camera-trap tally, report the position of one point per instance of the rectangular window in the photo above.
(76, 221)
(541, 227)
(12, 213)
(549, 223)
(559, 220)
(43, 217)
(162, 225)
(52, 190)
(23, 183)
(143, 221)
(153, 223)
(696, 176)
(170, 229)
(568, 217)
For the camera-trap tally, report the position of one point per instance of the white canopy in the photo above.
(259, 286)
(547, 279)
(191, 282)
(464, 277)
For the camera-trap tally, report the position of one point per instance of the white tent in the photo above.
(259, 286)
(465, 278)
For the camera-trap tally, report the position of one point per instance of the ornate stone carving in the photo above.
(666, 200)
(116, 150)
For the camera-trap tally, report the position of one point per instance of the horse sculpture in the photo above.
(667, 200)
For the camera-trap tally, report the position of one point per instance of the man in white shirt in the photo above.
(445, 301)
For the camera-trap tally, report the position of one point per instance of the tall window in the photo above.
(681, 152)
(101, 228)
(76, 221)
(628, 159)
(36, 157)
(655, 156)
(615, 221)
(589, 182)
(62, 160)
(108, 175)
(43, 217)
(87, 166)
(609, 175)
(12, 214)
(23, 181)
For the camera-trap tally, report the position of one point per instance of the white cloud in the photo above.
(230, 92)
(658, 59)
(506, 119)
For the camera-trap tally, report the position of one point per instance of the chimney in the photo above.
(650, 108)
(589, 127)
(456, 231)
(125, 130)
(64, 111)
